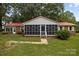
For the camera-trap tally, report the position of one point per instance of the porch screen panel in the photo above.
(51, 29)
(32, 29)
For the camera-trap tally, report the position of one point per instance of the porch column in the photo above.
(40, 31)
(5, 28)
(63, 27)
(58, 27)
(20, 28)
(45, 31)
(68, 28)
(24, 29)
(73, 29)
(12, 29)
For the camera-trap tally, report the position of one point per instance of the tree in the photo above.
(3, 9)
(0, 16)
(7, 19)
(22, 12)
(77, 27)
(67, 16)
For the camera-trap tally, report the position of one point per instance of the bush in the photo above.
(77, 30)
(63, 34)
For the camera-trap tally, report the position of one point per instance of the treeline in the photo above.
(20, 12)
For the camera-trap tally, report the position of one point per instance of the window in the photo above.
(51, 29)
(9, 29)
(32, 29)
(70, 28)
(14, 29)
(60, 28)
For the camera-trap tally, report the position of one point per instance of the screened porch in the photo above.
(40, 29)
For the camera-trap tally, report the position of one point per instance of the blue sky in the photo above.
(74, 8)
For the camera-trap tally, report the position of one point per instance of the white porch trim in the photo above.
(73, 29)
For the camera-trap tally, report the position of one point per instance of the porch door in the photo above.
(43, 30)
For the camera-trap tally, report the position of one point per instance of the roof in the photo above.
(39, 20)
(65, 24)
(14, 24)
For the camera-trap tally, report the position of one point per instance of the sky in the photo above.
(74, 8)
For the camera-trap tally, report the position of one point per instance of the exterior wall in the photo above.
(8, 29)
(72, 32)
(11, 29)
(67, 28)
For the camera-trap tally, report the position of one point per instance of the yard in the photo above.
(55, 46)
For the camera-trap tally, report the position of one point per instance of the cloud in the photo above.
(70, 5)
(74, 5)
(71, 11)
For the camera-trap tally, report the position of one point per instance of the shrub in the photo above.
(77, 30)
(63, 34)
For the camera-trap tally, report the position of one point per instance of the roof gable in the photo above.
(39, 20)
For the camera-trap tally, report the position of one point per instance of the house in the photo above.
(66, 25)
(40, 26)
(44, 26)
(13, 27)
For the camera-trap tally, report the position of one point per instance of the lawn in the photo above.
(55, 46)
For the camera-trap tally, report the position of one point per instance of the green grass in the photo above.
(55, 47)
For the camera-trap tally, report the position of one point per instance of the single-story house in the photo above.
(41, 26)
(13, 27)
(66, 25)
